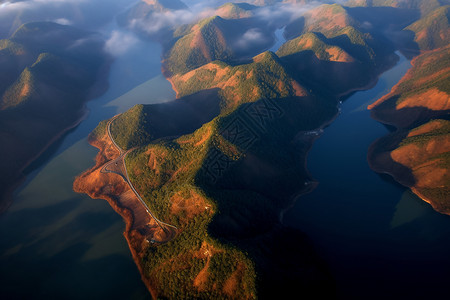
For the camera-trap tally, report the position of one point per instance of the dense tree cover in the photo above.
(265, 77)
(204, 43)
(171, 175)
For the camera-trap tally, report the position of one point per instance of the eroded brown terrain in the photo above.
(140, 226)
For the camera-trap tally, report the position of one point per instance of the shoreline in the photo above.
(7, 195)
(135, 243)
(379, 157)
(339, 98)
(382, 169)
(119, 190)
(97, 89)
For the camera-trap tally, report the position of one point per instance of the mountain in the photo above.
(425, 152)
(227, 221)
(417, 153)
(424, 6)
(433, 30)
(228, 156)
(327, 19)
(300, 2)
(317, 44)
(134, 127)
(215, 38)
(204, 43)
(265, 77)
(48, 73)
(420, 95)
(346, 60)
(235, 10)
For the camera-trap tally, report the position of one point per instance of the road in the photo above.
(119, 167)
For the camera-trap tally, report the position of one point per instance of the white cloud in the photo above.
(63, 21)
(251, 37)
(160, 20)
(120, 42)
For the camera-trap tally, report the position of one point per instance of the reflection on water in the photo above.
(409, 208)
(279, 40)
(379, 240)
(61, 245)
(157, 88)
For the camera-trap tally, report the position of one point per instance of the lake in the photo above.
(57, 244)
(379, 240)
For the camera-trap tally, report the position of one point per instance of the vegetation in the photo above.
(170, 175)
(224, 182)
(20, 91)
(438, 190)
(265, 77)
(418, 106)
(11, 47)
(328, 19)
(45, 80)
(422, 75)
(436, 134)
(204, 43)
(235, 10)
(321, 46)
(131, 129)
(432, 30)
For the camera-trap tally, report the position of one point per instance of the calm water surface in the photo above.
(380, 240)
(56, 244)
(279, 40)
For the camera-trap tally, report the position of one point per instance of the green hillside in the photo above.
(144, 123)
(265, 77)
(432, 31)
(204, 43)
(11, 48)
(19, 91)
(235, 10)
(226, 211)
(319, 45)
(45, 80)
(430, 71)
(328, 19)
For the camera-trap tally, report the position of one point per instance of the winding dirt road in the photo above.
(118, 166)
